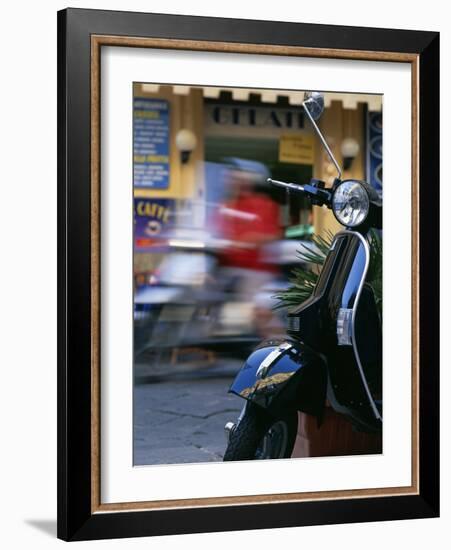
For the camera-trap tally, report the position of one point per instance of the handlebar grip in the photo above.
(293, 186)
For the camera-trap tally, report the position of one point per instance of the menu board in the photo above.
(150, 143)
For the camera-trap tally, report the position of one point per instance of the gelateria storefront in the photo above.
(185, 138)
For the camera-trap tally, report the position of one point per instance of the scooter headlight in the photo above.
(350, 203)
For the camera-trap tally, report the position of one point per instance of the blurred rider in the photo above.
(249, 219)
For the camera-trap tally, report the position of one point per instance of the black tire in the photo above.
(252, 439)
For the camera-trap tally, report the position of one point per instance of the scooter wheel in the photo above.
(260, 436)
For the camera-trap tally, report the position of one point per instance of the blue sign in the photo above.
(374, 150)
(150, 143)
(151, 217)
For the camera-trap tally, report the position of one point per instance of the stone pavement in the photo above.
(180, 418)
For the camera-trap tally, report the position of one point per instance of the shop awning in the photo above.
(349, 100)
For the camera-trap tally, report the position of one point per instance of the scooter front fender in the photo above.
(281, 376)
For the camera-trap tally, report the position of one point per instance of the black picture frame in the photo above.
(76, 519)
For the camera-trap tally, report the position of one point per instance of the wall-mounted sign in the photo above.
(374, 149)
(150, 143)
(151, 217)
(250, 120)
(296, 149)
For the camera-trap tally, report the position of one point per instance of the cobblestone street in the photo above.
(180, 418)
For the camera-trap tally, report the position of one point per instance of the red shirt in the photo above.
(264, 226)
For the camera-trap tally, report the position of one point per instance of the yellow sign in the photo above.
(296, 149)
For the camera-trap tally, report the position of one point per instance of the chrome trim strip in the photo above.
(268, 361)
(354, 311)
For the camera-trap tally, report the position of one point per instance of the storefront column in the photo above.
(186, 111)
(337, 124)
(192, 180)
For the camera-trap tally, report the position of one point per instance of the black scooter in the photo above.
(334, 346)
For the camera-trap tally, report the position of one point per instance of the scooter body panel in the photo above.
(314, 366)
(315, 323)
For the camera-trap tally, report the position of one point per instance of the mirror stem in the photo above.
(323, 140)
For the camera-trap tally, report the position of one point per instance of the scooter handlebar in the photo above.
(314, 190)
(293, 186)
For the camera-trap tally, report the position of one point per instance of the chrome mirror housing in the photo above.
(314, 103)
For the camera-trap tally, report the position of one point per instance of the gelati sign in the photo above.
(248, 119)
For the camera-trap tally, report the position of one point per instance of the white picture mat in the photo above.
(120, 481)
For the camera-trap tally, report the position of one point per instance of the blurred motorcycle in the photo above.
(192, 302)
